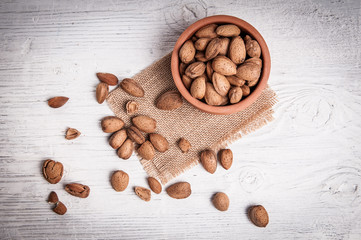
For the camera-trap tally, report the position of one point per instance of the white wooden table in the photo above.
(304, 167)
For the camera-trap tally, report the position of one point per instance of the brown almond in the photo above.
(187, 81)
(132, 107)
(143, 193)
(224, 66)
(184, 145)
(179, 190)
(213, 48)
(209, 70)
(252, 47)
(119, 180)
(159, 142)
(254, 60)
(108, 78)
(249, 71)
(252, 83)
(169, 100)
(237, 50)
(220, 84)
(125, 151)
(145, 124)
(60, 208)
(195, 69)
(57, 102)
(235, 95)
(52, 171)
(134, 134)
(118, 138)
(209, 161)
(102, 92)
(208, 31)
(53, 197)
(198, 87)
(146, 150)
(132, 87)
(111, 124)
(187, 52)
(258, 215)
(154, 185)
(182, 68)
(228, 30)
(235, 81)
(226, 158)
(200, 57)
(78, 190)
(221, 201)
(223, 49)
(201, 43)
(245, 90)
(72, 133)
(212, 97)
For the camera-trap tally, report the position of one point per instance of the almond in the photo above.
(134, 134)
(184, 145)
(146, 151)
(57, 102)
(221, 201)
(220, 84)
(108, 78)
(118, 138)
(78, 190)
(119, 180)
(132, 87)
(187, 81)
(187, 52)
(102, 92)
(201, 43)
(179, 190)
(143, 193)
(212, 97)
(237, 50)
(258, 215)
(145, 124)
(111, 124)
(208, 31)
(53, 198)
(159, 142)
(245, 90)
(200, 57)
(223, 49)
(209, 161)
(209, 70)
(235, 95)
(132, 107)
(198, 87)
(182, 68)
(60, 208)
(249, 71)
(195, 69)
(169, 100)
(213, 48)
(252, 83)
(235, 81)
(125, 151)
(52, 171)
(228, 30)
(72, 133)
(154, 185)
(252, 47)
(226, 158)
(254, 60)
(224, 66)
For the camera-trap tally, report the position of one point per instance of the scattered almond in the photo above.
(221, 201)
(60, 208)
(52, 171)
(209, 161)
(184, 145)
(53, 198)
(132, 87)
(143, 193)
(146, 150)
(159, 142)
(179, 190)
(135, 135)
(57, 102)
(126, 150)
(258, 215)
(111, 124)
(169, 100)
(145, 124)
(154, 185)
(78, 190)
(72, 133)
(118, 138)
(119, 180)
(108, 78)
(132, 107)
(102, 92)
(226, 158)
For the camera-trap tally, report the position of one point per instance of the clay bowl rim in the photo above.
(245, 28)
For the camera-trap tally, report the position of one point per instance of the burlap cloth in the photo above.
(201, 129)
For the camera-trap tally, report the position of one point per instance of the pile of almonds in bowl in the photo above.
(219, 65)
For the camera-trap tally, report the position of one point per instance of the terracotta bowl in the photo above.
(245, 28)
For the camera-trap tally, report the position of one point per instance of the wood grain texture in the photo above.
(304, 167)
